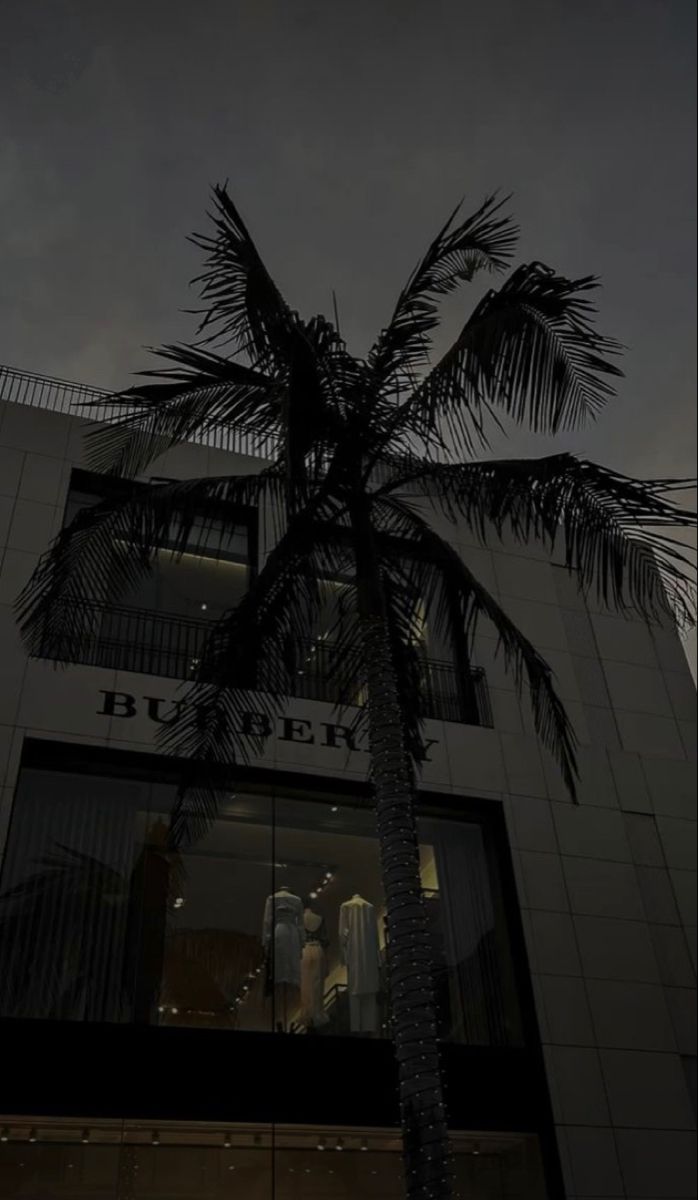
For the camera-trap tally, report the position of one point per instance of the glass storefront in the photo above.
(274, 921)
(79, 1160)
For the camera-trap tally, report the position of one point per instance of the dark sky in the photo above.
(347, 131)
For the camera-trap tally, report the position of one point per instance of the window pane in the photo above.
(275, 920)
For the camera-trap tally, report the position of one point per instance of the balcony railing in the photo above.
(59, 395)
(171, 646)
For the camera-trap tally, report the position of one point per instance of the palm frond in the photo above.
(530, 351)
(110, 547)
(242, 303)
(610, 528)
(484, 241)
(251, 646)
(203, 394)
(441, 577)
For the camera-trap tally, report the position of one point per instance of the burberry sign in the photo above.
(303, 730)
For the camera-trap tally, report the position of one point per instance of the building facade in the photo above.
(146, 1051)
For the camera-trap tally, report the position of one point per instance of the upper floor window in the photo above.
(209, 577)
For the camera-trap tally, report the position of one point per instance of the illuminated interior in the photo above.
(87, 869)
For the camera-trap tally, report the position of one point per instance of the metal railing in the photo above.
(172, 646)
(59, 395)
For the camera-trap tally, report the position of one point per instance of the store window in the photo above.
(87, 1160)
(273, 921)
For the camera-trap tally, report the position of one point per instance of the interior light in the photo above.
(204, 606)
(33, 1135)
(340, 1144)
(476, 1148)
(322, 1145)
(5, 1135)
(155, 1139)
(335, 808)
(364, 1143)
(227, 1143)
(85, 1136)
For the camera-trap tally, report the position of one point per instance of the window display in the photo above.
(273, 921)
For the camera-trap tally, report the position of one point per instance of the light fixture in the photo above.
(204, 606)
(364, 1143)
(155, 1139)
(340, 1144)
(227, 1143)
(5, 1135)
(85, 1137)
(335, 808)
(476, 1149)
(33, 1136)
(322, 1145)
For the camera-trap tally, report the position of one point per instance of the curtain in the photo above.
(64, 897)
(468, 929)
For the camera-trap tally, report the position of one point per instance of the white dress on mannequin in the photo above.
(283, 936)
(358, 939)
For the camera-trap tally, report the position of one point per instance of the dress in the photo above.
(283, 936)
(314, 971)
(358, 939)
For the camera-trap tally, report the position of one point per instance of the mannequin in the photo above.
(360, 950)
(282, 938)
(313, 969)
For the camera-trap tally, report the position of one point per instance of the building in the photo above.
(142, 1056)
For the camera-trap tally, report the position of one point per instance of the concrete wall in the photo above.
(607, 888)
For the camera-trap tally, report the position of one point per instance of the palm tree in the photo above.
(361, 451)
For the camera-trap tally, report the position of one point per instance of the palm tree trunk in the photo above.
(427, 1158)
